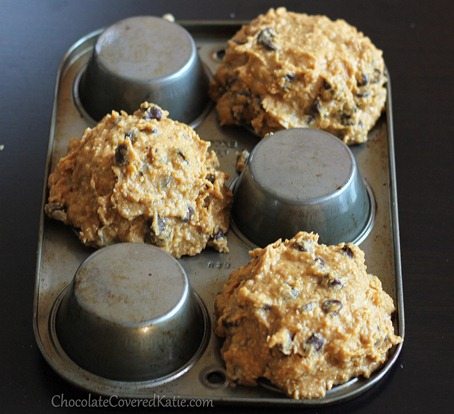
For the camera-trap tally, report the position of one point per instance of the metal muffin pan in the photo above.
(302, 178)
(144, 58)
(130, 314)
(60, 253)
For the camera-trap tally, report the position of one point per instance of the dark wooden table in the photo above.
(418, 44)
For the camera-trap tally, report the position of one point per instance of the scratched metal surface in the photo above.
(60, 252)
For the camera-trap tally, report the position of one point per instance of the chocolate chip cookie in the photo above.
(142, 178)
(305, 316)
(287, 70)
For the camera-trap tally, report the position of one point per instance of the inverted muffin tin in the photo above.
(201, 374)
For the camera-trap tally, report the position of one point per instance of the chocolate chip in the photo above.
(211, 178)
(331, 282)
(182, 155)
(308, 307)
(153, 112)
(266, 307)
(315, 340)
(335, 283)
(319, 261)
(218, 235)
(207, 201)
(220, 54)
(299, 246)
(157, 236)
(244, 92)
(346, 119)
(326, 85)
(121, 155)
(131, 136)
(331, 306)
(347, 251)
(363, 94)
(363, 80)
(315, 107)
(302, 245)
(230, 324)
(161, 224)
(377, 76)
(266, 38)
(294, 292)
(286, 345)
(189, 214)
(289, 78)
(309, 118)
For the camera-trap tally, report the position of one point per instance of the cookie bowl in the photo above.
(144, 58)
(130, 314)
(302, 179)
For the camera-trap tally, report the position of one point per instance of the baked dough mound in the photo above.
(305, 316)
(287, 70)
(142, 178)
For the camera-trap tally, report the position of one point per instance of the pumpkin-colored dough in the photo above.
(305, 316)
(287, 70)
(142, 178)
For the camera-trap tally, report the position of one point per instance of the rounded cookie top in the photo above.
(287, 70)
(305, 316)
(142, 178)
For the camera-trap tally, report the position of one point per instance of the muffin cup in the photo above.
(302, 179)
(131, 315)
(144, 58)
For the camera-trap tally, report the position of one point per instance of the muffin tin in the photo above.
(144, 58)
(194, 367)
(307, 179)
(130, 314)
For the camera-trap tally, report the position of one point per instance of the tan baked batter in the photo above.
(305, 316)
(287, 70)
(142, 178)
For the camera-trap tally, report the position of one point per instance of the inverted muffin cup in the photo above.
(144, 58)
(302, 179)
(131, 315)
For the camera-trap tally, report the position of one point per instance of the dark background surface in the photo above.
(418, 43)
